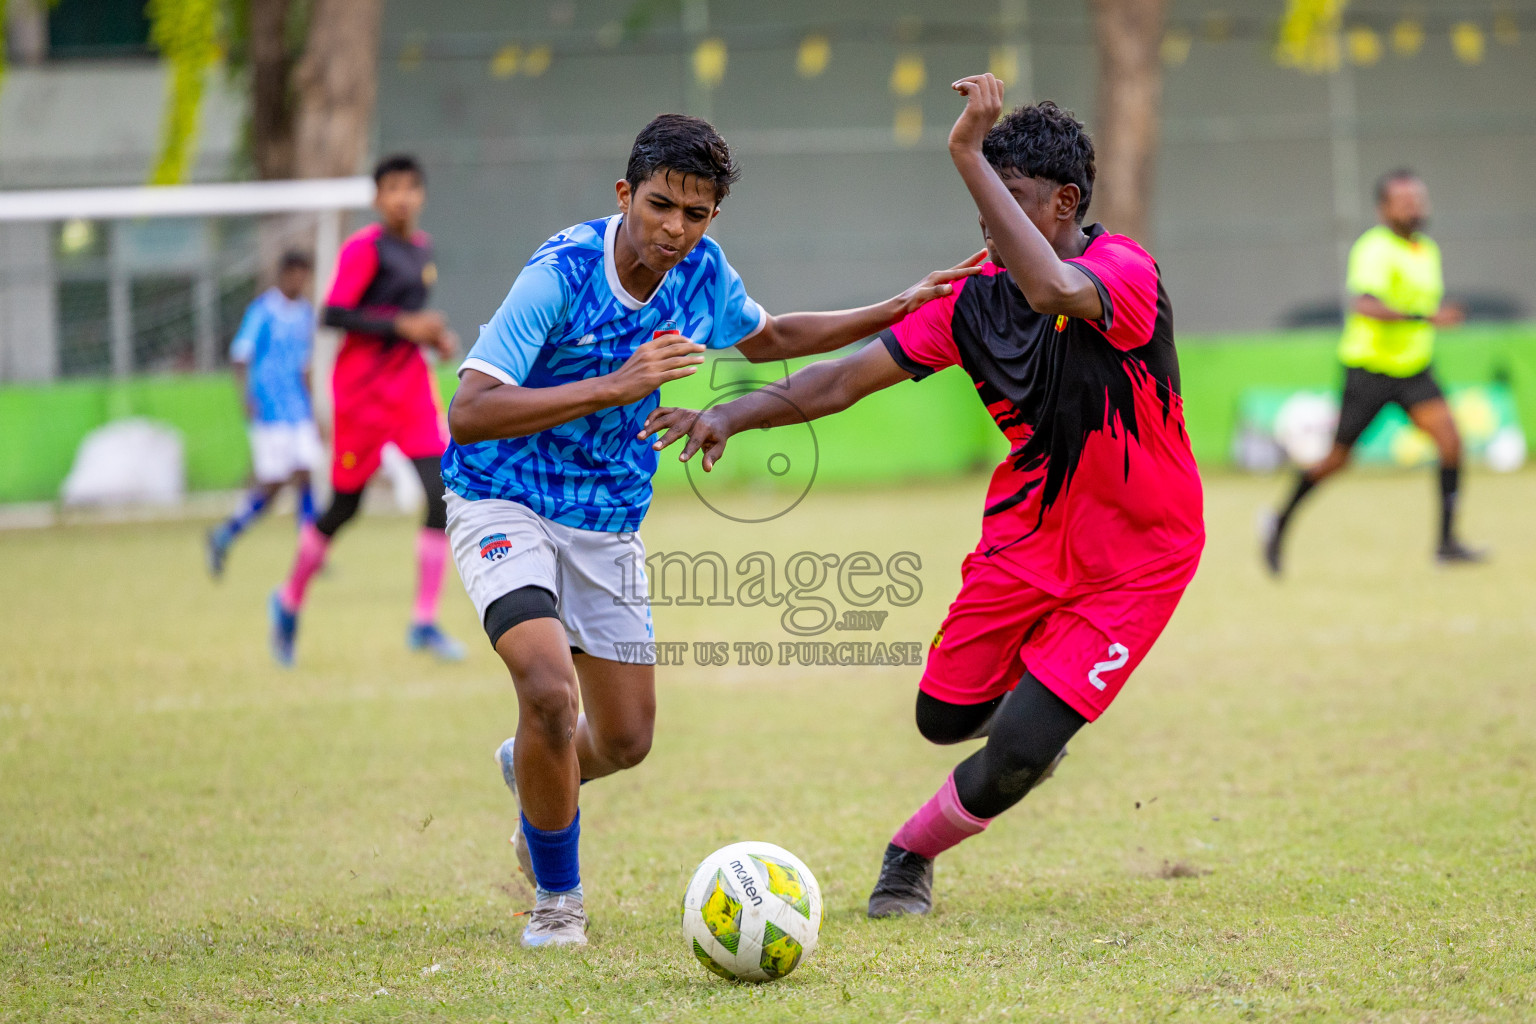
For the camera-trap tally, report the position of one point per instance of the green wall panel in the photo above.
(911, 431)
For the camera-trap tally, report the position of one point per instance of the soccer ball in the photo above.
(752, 912)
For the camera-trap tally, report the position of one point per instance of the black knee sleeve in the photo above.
(520, 605)
(1028, 730)
(430, 470)
(437, 513)
(344, 505)
(942, 722)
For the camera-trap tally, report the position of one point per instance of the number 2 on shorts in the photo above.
(1118, 656)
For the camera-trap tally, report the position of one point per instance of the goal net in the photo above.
(125, 281)
(119, 302)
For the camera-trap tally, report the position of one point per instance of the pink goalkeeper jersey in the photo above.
(1100, 484)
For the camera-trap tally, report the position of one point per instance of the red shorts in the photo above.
(1083, 647)
(383, 393)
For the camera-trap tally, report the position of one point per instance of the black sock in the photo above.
(1304, 485)
(1029, 729)
(1450, 483)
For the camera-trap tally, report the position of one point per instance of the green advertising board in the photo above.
(1279, 425)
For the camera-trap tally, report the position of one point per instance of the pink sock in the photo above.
(939, 824)
(311, 555)
(431, 556)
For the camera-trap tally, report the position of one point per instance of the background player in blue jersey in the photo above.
(548, 478)
(270, 357)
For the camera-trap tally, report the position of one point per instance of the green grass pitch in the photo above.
(1314, 802)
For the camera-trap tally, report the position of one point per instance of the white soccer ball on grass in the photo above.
(752, 912)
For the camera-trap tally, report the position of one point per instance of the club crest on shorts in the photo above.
(495, 547)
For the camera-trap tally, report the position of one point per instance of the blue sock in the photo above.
(306, 506)
(250, 508)
(556, 866)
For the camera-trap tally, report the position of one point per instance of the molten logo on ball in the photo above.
(752, 912)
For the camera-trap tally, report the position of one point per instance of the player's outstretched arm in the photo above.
(1050, 286)
(812, 392)
(427, 328)
(487, 409)
(808, 334)
(1448, 315)
(357, 265)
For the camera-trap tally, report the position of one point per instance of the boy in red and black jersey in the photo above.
(1093, 524)
(383, 393)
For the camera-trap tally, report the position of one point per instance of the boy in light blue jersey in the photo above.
(270, 356)
(568, 317)
(548, 478)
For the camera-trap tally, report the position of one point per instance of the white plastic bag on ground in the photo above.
(132, 461)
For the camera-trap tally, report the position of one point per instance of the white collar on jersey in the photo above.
(611, 270)
(289, 307)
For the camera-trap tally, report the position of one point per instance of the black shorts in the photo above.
(1367, 393)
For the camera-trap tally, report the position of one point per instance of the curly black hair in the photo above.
(687, 145)
(1044, 141)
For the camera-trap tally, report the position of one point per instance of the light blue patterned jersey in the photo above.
(274, 343)
(568, 318)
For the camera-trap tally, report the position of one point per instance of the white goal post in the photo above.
(29, 220)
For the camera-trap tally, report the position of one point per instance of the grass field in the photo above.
(1314, 802)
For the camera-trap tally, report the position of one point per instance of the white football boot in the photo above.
(558, 919)
(519, 841)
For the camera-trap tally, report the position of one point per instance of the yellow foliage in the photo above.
(909, 75)
(1506, 30)
(1003, 62)
(1309, 35)
(1407, 37)
(186, 32)
(1175, 47)
(709, 59)
(1467, 42)
(811, 60)
(504, 63)
(537, 60)
(1364, 46)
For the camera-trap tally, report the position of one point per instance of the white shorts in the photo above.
(598, 578)
(279, 450)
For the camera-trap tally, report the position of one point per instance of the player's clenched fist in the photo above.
(423, 327)
(983, 106)
(659, 360)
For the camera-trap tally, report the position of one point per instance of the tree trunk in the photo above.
(337, 83)
(1129, 36)
(271, 110)
(310, 121)
(272, 131)
(25, 31)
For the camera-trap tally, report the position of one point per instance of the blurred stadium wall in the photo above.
(80, 106)
(523, 111)
(838, 112)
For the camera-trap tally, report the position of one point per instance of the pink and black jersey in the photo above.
(378, 276)
(1100, 484)
(382, 386)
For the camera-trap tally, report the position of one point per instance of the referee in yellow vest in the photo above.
(1397, 299)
